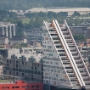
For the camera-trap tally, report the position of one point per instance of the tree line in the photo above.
(27, 4)
(36, 20)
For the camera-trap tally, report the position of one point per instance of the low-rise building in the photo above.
(20, 85)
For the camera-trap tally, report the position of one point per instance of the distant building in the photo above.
(79, 30)
(18, 12)
(16, 40)
(34, 35)
(7, 29)
(24, 63)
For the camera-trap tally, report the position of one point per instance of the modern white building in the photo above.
(63, 65)
(7, 29)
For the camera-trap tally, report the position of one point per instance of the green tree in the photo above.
(38, 22)
(20, 24)
(19, 28)
(64, 14)
(79, 37)
(19, 31)
(76, 13)
(51, 14)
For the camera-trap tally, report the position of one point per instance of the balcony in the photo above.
(58, 44)
(54, 36)
(74, 52)
(69, 40)
(65, 31)
(67, 36)
(72, 48)
(87, 82)
(56, 41)
(51, 28)
(53, 32)
(84, 74)
(80, 65)
(61, 51)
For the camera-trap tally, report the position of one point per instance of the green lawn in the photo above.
(25, 20)
(4, 80)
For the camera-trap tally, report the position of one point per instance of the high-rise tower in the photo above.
(63, 65)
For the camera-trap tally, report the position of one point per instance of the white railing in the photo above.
(69, 54)
(77, 48)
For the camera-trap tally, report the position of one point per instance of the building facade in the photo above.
(25, 64)
(63, 65)
(21, 85)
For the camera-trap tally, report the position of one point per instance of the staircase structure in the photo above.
(60, 50)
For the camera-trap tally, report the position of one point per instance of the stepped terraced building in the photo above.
(63, 65)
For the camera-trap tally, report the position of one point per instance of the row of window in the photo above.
(22, 62)
(22, 87)
(54, 63)
(55, 67)
(52, 70)
(24, 71)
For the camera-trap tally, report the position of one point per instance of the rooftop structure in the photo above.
(63, 65)
(69, 10)
(24, 53)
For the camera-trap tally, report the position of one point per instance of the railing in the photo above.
(77, 48)
(78, 75)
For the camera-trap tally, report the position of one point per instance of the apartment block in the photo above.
(25, 64)
(63, 65)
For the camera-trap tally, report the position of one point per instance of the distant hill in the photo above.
(27, 4)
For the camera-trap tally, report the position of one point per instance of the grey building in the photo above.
(26, 64)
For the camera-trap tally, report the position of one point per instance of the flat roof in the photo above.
(59, 9)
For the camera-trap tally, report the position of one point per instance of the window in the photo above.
(15, 86)
(44, 34)
(16, 61)
(51, 62)
(32, 86)
(35, 68)
(56, 63)
(16, 73)
(49, 46)
(50, 54)
(47, 62)
(25, 86)
(37, 86)
(10, 72)
(22, 74)
(5, 88)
